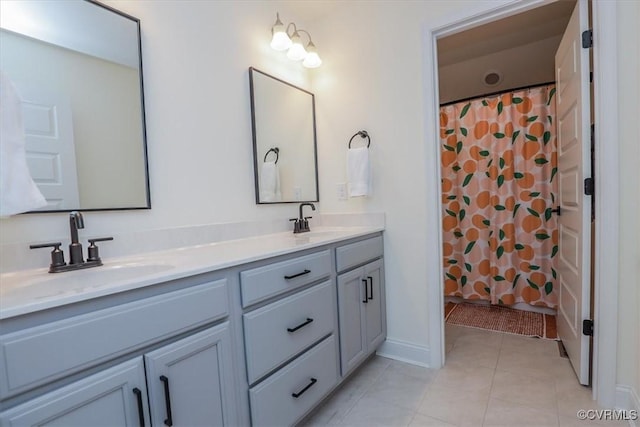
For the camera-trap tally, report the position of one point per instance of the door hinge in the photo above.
(587, 39)
(588, 186)
(587, 327)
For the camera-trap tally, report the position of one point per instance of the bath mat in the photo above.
(502, 319)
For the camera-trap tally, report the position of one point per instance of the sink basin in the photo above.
(37, 285)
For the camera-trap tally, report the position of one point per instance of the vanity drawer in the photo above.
(277, 332)
(261, 283)
(42, 354)
(358, 253)
(273, 402)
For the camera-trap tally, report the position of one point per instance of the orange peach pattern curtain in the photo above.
(498, 191)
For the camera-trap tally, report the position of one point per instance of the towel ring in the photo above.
(275, 150)
(363, 134)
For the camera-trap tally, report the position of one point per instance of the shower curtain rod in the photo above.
(496, 93)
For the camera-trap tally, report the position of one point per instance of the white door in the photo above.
(50, 150)
(574, 165)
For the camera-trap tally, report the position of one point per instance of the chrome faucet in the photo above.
(301, 224)
(76, 259)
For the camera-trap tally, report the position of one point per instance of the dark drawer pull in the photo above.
(167, 400)
(297, 275)
(138, 394)
(366, 292)
(370, 279)
(301, 325)
(307, 387)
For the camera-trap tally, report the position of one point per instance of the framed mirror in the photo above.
(77, 68)
(284, 141)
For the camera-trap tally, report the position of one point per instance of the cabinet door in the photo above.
(114, 397)
(191, 381)
(351, 304)
(375, 310)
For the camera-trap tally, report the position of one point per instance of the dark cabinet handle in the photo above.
(307, 387)
(297, 275)
(138, 394)
(557, 210)
(301, 325)
(366, 292)
(167, 400)
(370, 279)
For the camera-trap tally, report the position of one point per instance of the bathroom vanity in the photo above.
(246, 332)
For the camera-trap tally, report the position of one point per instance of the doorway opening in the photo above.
(503, 176)
(604, 388)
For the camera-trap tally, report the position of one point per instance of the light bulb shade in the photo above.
(312, 60)
(280, 40)
(296, 51)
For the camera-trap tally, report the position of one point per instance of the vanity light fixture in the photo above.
(282, 39)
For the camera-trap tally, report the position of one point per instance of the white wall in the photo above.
(629, 125)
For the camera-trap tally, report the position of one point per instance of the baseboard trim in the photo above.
(627, 399)
(405, 352)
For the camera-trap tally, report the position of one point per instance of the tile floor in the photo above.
(490, 379)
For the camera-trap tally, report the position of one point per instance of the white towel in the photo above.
(359, 172)
(18, 192)
(270, 183)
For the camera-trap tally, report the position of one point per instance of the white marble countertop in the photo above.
(28, 291)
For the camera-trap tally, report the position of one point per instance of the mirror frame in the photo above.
(142, 117)
(256, 157)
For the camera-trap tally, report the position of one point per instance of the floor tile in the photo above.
(455, 406)
(398, 389)
(574, 398)
(419, 372)
(480, 336)
(501, 413)
(489, 378)
(574, 421)
(523, 389)
(474, 354)
(538, 346)
(373, 412)
(464, 377)
(420, 420)
(530, 363)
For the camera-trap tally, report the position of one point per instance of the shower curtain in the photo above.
(499, 188)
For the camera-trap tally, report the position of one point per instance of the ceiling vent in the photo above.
(492, 78)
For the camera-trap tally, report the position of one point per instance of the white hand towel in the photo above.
(359, 172)
(270, 183)
(18, 192)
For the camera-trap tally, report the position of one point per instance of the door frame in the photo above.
(605, 101)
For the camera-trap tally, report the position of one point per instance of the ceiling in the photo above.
(517, 30)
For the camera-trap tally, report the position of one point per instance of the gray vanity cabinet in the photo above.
(290, 344)
(361, 302)
(116, 396)
(191, 381)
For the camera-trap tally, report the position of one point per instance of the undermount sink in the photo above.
(40, 284)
